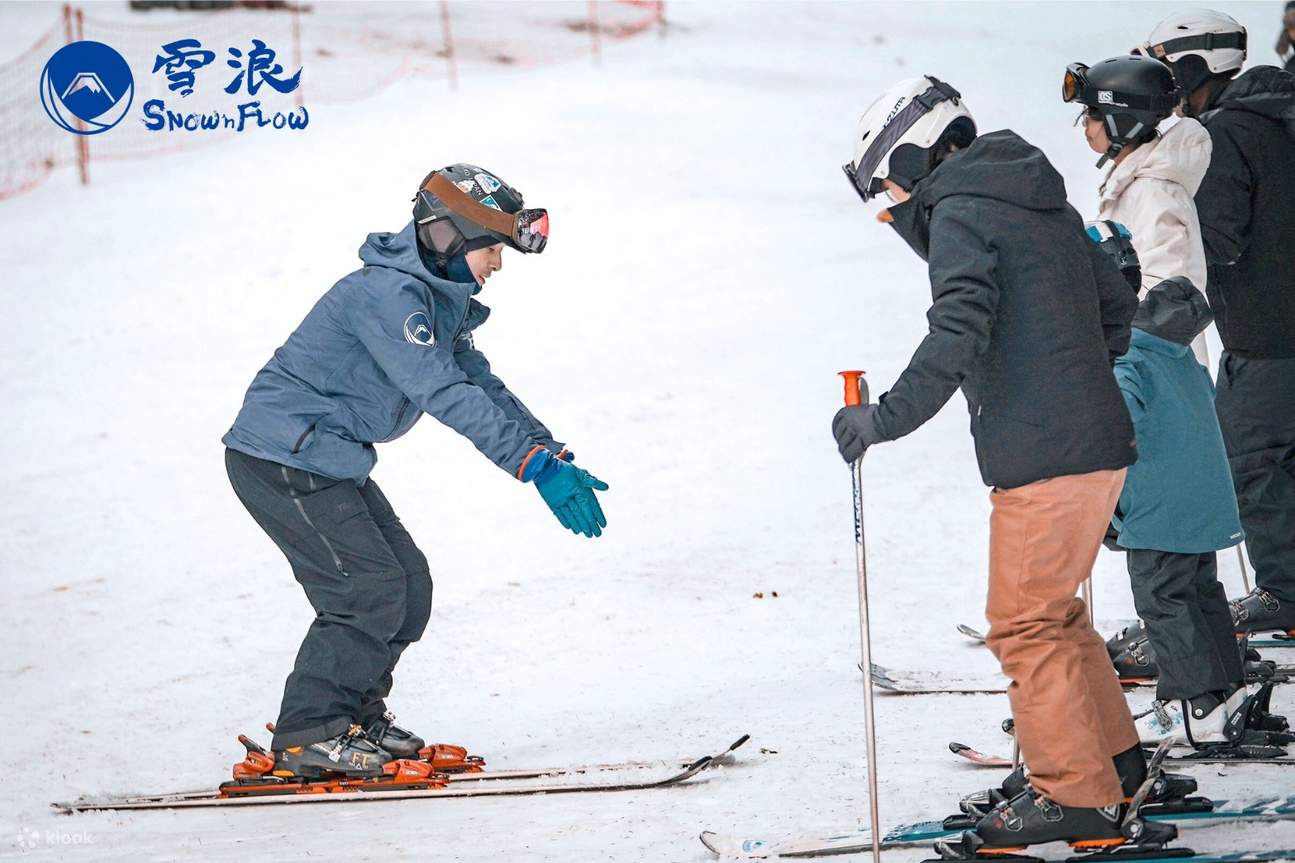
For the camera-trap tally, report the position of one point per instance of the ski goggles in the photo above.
(526, 230)
(1075, 87)
(861, 175)
(1198, 42)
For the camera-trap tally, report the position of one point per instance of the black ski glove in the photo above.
(855, 429)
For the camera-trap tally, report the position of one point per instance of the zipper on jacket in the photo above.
(337, 561)
(467, 309)
(296, 448)
(400, 415)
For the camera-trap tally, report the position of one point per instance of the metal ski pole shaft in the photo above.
(1245, 576)
(1086, 591)
(856, 393)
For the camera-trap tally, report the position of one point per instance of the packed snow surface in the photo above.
(709, 272)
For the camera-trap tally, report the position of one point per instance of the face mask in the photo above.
(457, 270)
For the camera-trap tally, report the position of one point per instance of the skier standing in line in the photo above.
(385, 344)
(1027, 318)
(1286, 39)
(1153, 176)
(1176, 510)
(1178, 507)
(1246, 205)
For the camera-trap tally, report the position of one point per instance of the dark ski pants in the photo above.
(1256, 406)
(366, 579)
(1185, 608)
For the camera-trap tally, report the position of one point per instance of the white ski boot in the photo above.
(1191, 722)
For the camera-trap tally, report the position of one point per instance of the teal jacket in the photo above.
(1178, 496)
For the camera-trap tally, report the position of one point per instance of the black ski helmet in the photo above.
(1115, 240)
(446, 233)
(1130, 94)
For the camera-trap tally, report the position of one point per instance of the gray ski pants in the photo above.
(1256, 407)
(366, 579)
(1180, 599)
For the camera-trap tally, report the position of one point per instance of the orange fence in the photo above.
(348, 52)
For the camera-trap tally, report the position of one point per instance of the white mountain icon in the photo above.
(87, 81)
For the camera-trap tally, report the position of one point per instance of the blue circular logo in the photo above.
(86, 88)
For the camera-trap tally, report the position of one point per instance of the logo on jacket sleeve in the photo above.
(418, 330)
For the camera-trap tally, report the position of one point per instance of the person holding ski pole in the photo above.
(387, 343)
(1246, 204)
(1027, 317)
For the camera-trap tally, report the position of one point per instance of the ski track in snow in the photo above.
(709, 273)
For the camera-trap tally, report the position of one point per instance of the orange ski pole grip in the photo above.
(856, 388)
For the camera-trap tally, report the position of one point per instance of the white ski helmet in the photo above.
(897, 135)
(1218, 40)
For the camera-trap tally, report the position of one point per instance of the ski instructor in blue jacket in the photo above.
(386, 344)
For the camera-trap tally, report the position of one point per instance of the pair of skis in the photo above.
(486, 783)
(1280, 639)
(904, 682)
(901, 682)
(860, 841)
(1262, 755)
(929, 683)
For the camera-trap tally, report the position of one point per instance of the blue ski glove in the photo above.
(569, 492)
(855, 429)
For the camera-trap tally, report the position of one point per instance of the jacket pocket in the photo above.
(303, 437)
(1008, 449)
(335, 505)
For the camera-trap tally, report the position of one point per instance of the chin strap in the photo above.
(1118, 141)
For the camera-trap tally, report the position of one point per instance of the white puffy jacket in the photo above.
(1151, 193)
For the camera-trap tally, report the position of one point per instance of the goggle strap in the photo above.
(920, 105)
(468, 207)
(1132, 101)
(1204, 41)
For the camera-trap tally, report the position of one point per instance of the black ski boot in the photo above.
(1125, 638)
(395, 740)
(1168, 792)
(1029, 818)
(1137, 663)
(978, 804)
(349, 754)
(1260, 611)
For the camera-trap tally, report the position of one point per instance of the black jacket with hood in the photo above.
(1028, 316)
(1246, 205)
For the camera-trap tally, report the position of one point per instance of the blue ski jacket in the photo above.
(1178, 496)
(386, 344)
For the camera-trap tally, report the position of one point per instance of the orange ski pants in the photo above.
(1069, 710)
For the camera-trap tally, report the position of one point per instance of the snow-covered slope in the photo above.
(709, 272)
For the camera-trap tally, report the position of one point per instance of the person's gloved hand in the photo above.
(569, 492)
(855, 429)
(566, 455)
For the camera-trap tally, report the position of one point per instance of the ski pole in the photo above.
(856, 393)
(1086, 591)
(1245, 576)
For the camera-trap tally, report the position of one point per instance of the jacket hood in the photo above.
(999, 165)
(1181, 155)
(1175, 311)
(1263, 90)
(400, 252)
